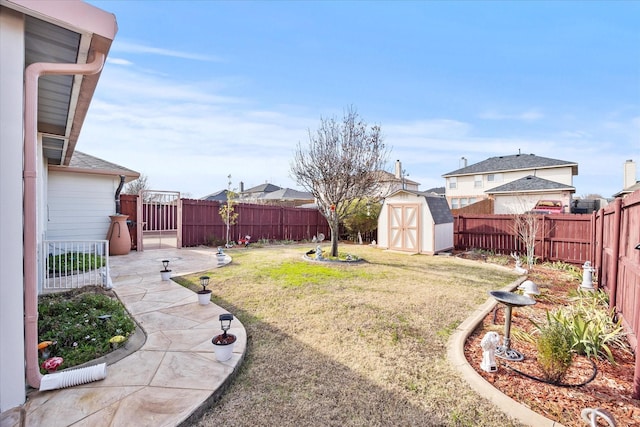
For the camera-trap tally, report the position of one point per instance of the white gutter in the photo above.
(32, 74)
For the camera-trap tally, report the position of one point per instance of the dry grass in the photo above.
(350, 345)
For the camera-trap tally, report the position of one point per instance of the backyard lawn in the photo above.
(362, 344)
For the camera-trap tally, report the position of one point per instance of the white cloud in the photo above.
(528, 116)
(127, 47)
(119, 61)
(189, 135)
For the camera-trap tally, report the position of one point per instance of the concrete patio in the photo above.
(172, 377)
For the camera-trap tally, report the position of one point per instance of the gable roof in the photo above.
(512, 163)
(438, 206)
(262, 188)
(436, 190)
(287, 194)
(385, 176)
(86, 163)
(220, 196)
(628, 190)
(530, 184)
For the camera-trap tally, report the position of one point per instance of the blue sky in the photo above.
(196, 90)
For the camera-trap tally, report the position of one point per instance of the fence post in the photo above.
(615, 251)
(596, 242)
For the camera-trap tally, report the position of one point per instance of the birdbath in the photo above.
(510, 300)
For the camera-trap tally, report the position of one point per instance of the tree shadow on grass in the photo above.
(286, 382)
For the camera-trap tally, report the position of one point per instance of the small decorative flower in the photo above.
(44, 349)
(115, 341)
(52, 364)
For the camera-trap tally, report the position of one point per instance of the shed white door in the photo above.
(404, 227)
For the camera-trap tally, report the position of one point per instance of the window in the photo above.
(477, 181)
(464, 202)
(455, 204)
(472, 200)
(494, 177)
(453, 182)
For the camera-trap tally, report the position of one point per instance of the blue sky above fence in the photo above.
(195, 91)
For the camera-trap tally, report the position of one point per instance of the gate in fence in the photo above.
(159, 220)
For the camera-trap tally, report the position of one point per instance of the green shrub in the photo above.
(590, 324)
(72, 321)
(71, 262)
(554, 351)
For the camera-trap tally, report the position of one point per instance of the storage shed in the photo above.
(416, 222)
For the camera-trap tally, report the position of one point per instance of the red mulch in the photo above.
(610, 390)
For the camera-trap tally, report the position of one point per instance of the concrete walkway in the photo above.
(174, 375)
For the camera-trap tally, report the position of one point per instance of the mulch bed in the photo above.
(610, 390)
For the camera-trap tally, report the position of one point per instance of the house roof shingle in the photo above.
(220, 196)
(530, 184)
(262, 188)
(86, 163)
(287, 194)
(512, 163)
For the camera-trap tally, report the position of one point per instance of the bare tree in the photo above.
(526, 227)
(134, 187)
(339, 166)
(228, 211)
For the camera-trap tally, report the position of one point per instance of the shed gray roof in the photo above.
(530, 184)
(440, 210)
(512, 163)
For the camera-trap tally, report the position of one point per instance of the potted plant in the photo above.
(223, 343)
(165, 273)
(204, 295)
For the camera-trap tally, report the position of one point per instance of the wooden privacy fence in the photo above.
(609, 239)
(617, 243)
(567, 238)
(202, 224)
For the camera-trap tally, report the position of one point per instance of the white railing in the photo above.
(69, 264)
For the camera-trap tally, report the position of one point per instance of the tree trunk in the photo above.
(335, 233)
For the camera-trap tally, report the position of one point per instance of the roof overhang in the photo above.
(65, 31)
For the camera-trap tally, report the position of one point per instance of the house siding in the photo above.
(511, 204)
(12, 370)
(79, 209)
(466, 183)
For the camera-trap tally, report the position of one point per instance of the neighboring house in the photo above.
(415, 222)
(392, 182)
(521, 195)
(252, 194)
(630, 182)
(440, 191)
(81, 196)
(287, 197)
(42, 109)
(218, 196)
(515, 182)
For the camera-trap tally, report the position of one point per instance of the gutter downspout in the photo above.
(32, 74)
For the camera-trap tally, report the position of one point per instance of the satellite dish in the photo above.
(320, 237)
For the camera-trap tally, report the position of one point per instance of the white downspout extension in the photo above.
(32, 74)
